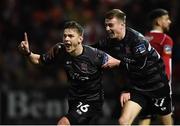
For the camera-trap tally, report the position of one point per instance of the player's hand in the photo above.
(24, 45)
(124, 97)
(112, 62)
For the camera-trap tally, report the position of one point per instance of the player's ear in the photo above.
(158, 21)
(80, 39)
(122, 24)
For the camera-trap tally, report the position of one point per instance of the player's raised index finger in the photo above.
(25, 37)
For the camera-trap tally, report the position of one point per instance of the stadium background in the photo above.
(36, 95)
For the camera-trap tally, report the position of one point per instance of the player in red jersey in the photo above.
(160, 23)
(159, 40)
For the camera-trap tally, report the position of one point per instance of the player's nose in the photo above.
(107, 28)
(169, 21)
(67, 38)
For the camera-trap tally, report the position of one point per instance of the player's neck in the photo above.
(78, 51)
(122, 35)
(157, 29)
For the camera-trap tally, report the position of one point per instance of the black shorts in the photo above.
(152, 106)
(81, 112)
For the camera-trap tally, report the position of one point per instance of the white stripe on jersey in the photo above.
(170, 79)
(149, 48)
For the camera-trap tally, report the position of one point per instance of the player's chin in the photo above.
(111, 36)
(166, 30)
(68, 50)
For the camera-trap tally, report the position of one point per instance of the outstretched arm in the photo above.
(37, 58)
(25, 50)
(111, 62)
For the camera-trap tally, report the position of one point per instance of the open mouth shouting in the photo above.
(111, 34)
(67, 45)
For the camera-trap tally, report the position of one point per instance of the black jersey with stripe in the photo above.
(84, 71)
(145, 68)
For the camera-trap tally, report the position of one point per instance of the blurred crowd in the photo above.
(43, 21)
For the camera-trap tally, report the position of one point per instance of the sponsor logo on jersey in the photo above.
(84, 67)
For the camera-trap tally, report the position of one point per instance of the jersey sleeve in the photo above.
(141, 48)
(102, 57)
(51, 55)
(167, 46)
(140, 52)
(167, 54)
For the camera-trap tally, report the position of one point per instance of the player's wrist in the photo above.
(28, 53)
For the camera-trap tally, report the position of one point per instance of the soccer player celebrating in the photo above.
(83, 65)
(148, 81)
(160, 23)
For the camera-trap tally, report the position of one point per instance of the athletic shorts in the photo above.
(152, 106)
(81, 112)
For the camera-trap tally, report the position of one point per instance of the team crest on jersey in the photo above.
(84, 67)
(167, 49)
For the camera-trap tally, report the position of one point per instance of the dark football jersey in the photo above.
(84, 71)
(163, 44)
(145, 68)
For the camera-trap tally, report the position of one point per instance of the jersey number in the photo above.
(82, 108)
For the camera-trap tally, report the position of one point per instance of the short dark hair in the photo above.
(156, 13)
(74, 25)
(116, 13)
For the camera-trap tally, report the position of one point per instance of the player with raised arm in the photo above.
(83, 65)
